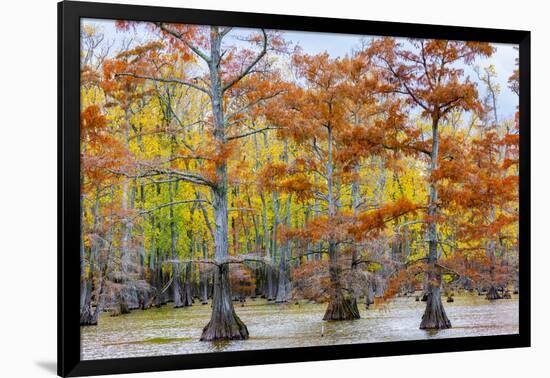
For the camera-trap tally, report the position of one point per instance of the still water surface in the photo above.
(165, 331)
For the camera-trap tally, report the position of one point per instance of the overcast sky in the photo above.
(338, 45)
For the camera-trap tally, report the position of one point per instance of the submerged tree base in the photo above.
(229, 327)
(224, 323)
(88, 318)
(341, 308)
(493, 294)
(435, 317)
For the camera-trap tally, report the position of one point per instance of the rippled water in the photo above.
(166, 331)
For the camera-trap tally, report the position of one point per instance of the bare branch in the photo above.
(172, 204)
(186, 176)
(225, 31)
(309, 253)
(398, 228)
(187, 43)
(255, 102)
(191, 177)
(165, 80)
(184, 157)
(205, 215)
(251, 133)
(247, 70)
(229, 260)
(390, 68)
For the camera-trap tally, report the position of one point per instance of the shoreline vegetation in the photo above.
(219, 167)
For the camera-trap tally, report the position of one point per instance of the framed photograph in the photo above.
(239, 188)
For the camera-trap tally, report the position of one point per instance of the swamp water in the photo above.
(165, 331)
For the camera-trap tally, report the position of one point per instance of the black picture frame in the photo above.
(69, 15)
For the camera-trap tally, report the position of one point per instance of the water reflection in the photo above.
(166, 331)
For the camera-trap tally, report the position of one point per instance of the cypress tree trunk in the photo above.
(318, 245)
(187, 289)
(204, 276)
(177, 295)
(224, 322)
(127, 263)
(340, 305)
(143, 251)
(434, 316)
(492, 294)
(158, 279)
(83, 277)
(187, 294)
(86, 313)
(151, 267)
(369, 294)
(355, 254)
(266, 282)
(267, 241)
(87, 316)
(275, 247)
(282, 294)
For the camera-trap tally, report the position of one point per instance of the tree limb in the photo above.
(246, 71)
(173, 203)
(251, 133)
(165, 80)
(177, 35)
